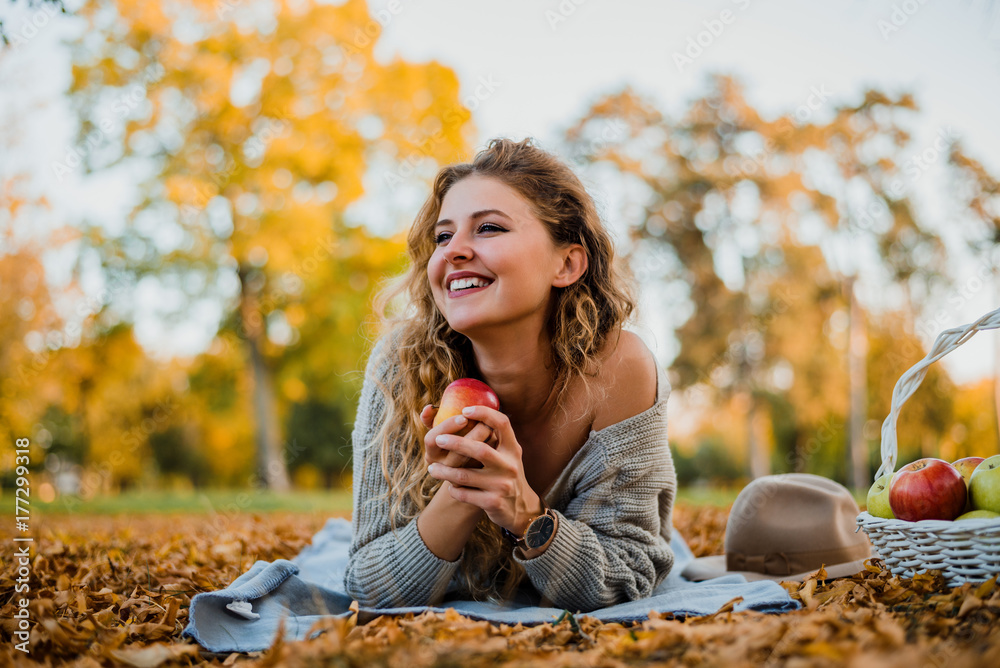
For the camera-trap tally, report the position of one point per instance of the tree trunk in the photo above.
(271, 468)
(857, 354)
(760, 464)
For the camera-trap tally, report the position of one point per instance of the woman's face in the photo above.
(494, 261)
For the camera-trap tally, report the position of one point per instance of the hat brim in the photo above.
(706, 568)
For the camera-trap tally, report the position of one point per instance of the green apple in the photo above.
(878, 498)
(977, 515)
(984, 485)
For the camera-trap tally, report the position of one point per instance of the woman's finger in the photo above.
(427, 415)
(503, 433)
(463, 477)
(466, 446)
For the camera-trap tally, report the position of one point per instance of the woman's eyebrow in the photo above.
(474, 216)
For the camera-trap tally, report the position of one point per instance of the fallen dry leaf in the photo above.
(153, 655)
(116, 591)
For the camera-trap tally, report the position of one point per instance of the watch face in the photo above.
(539, 531)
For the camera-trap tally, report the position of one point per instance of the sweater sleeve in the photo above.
(612, 544)
(385, 569)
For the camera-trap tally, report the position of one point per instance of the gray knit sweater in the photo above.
(614, 501)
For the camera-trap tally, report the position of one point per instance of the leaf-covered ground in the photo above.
(109, 591)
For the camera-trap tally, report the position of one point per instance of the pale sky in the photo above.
(538, 65)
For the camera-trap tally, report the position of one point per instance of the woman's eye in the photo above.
(485, 227)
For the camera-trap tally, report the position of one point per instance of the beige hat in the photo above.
(785, 527)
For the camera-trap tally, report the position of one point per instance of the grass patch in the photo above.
(722, 497)
(719, 497)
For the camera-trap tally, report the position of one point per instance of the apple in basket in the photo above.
(966, 466)
(878, 498)
(984, 485)
(927, 489)
(978, 515)
(465, 392)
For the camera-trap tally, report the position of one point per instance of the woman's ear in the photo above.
(574, 264)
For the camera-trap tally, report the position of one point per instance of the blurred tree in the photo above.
(978, 192)
(973, 430)
(928, 416)
(739, 211)
(319, 436)
(119, 399)
(259, 124)
(26, 317)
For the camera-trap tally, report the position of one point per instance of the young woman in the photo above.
(562, 497)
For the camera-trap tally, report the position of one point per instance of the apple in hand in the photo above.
(984, 485)
(927, 489)
(465, 392)
(878, 498)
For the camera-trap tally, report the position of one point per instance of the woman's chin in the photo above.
(470, 325)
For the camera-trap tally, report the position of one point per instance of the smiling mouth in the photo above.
(468, 291)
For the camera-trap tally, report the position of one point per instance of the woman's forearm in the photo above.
(445, 525)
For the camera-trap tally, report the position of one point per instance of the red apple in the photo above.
(927, 489)
(465, 392)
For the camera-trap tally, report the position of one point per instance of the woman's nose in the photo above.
(459, 247)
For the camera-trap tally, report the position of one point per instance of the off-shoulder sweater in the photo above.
(614, 500)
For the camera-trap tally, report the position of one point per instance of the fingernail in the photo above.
(432, 468)
(467, 410)
(460, 420)
(442, 439)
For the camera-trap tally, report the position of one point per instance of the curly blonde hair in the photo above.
(426, 354)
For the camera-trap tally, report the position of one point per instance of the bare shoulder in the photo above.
(629, 378)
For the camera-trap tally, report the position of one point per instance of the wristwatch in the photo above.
(538, 534)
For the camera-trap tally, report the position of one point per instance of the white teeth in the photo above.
(470, 282)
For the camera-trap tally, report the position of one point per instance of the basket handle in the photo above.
(908, 383)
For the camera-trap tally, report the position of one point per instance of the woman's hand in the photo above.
(433, 453)
(499, 487)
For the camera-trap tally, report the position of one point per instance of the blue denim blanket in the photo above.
(245, 616)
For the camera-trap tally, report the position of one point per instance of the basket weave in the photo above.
(966, 551)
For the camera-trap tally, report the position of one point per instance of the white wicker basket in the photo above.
(966, 551)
